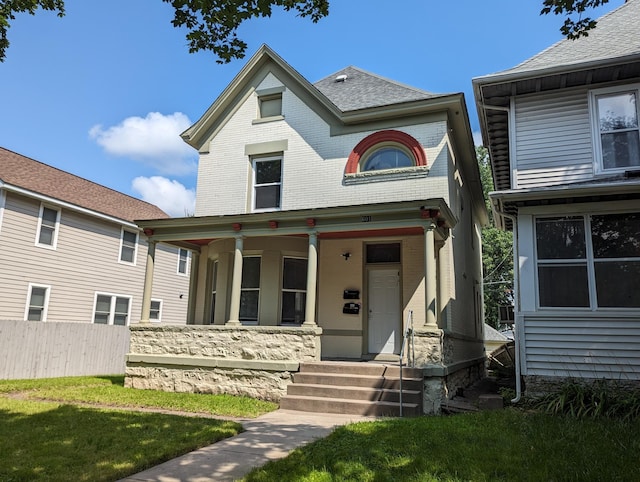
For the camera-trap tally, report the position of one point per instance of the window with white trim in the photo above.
(48, 226)
(386, 156)
(183, 261)
(155, 312)
(214, 290)
(128, 246)
(37, 303)
(270, 105)
(267, 183)
(588, 261)
(615, 119)
(250, 291)
(294, 290)
(111, 309)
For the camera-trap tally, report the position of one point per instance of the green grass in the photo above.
(504, 445)
(59, 441)
(110, 391)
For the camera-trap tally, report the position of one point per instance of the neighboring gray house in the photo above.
(70, 251)
(327, 215)
(563, 134)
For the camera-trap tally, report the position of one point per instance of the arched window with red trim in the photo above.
(385, 150)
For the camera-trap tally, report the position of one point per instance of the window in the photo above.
(270, 105)
(616, 121)
(183, 261)
(48, 227)
(383, 253)
(294, 290)
(590, 261)
(128, 246)
(155, 314)
(386, 157)
(38, 301)
(250, 291)
(214, 290)
(111, 309)
(267, 183)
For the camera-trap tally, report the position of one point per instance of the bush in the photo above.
(600, 398)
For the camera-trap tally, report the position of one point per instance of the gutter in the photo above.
(516, 302)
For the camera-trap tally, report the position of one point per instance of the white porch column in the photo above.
(430, 280)
(148, 282)
(236, 284)
(312, 281)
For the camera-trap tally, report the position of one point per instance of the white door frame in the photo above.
(395, 267)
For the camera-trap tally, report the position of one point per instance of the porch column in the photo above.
(148, 282)
(236, 284)
(430, 286)
(312, 281)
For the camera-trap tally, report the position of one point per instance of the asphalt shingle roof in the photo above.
(615, 36)
(31, 175)
(363, 90)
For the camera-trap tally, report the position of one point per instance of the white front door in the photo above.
(384, 310)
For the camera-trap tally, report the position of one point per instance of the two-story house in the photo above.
(564, 139)
(70, 251)
(330, 217)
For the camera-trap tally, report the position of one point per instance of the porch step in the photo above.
(354, 388)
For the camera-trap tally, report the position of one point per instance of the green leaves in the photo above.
(213, 24)
(573, 29)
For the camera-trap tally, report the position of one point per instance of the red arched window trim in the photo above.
(385, 136)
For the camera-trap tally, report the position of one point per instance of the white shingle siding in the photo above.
(313, 164)
(553, 143)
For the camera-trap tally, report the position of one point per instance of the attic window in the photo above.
(270, 105)
(386, 155)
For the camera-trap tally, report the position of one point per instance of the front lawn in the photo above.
(505, 445)
(61, 441)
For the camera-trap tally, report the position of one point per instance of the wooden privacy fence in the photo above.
(32, 349)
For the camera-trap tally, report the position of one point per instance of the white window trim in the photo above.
(112, 311)
(254, 161)
(135, 248)
(56, 230)
(45, 309)
(186, 264)
(157, 300)
(596, 138)
(258, 289)
(589, 260)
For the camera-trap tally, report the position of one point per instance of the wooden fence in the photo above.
(30, 349)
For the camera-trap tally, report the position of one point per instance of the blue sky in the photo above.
(104, 91)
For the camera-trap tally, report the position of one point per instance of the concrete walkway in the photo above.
(269, 437)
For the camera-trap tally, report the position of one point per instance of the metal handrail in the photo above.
(410, 358)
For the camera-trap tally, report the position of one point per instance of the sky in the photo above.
(105, 91)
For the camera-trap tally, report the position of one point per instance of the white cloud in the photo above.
(169, 195)
(477, 138)
(154, 140)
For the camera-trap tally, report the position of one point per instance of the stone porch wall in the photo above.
(256, 361)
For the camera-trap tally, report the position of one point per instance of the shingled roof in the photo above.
(353, 89)
(615, 36)
(31, 175)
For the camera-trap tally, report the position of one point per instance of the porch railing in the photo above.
(407, 338)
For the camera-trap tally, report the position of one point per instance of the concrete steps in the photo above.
(355, 388)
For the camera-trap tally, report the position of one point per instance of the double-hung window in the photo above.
(294, 290)
(267, 183)
(617, 142)
(111, 309)
(48, 224)
(128, 246)
(588, 261)
(250, 290)
(214, 290)
(155, 312)
(183, 261)
(37, 303)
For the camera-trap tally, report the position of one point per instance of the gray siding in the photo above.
(553, 139)
(85, 261)
(587, 346)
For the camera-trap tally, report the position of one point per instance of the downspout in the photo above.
(516, 301)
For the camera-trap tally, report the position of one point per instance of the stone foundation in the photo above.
(255, 361)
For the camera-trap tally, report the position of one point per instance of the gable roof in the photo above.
(359, 89)
(29, 175)
(615, 37)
